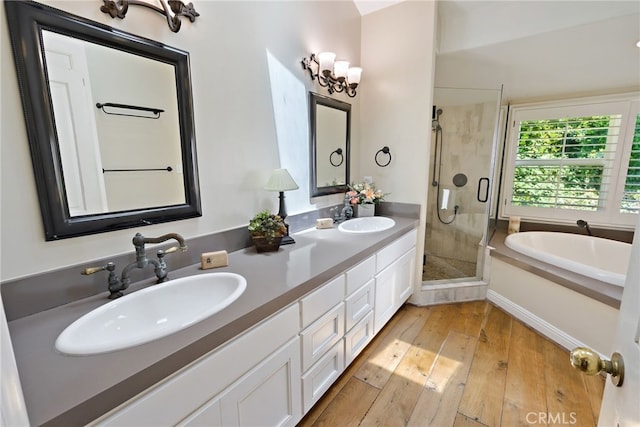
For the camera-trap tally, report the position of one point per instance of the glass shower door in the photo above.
(464, 125)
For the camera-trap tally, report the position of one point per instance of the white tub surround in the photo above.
(567, 317)
(570, 308)
(606, 293)
(601, 259)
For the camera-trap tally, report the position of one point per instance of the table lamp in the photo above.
(281, 181)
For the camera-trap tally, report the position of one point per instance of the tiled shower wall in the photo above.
(467, 140)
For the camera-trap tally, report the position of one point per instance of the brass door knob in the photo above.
(588, 361)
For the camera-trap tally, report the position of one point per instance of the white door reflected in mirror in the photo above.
(106, 157)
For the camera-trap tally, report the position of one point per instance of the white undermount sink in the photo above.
(150, 313)
(369, 224)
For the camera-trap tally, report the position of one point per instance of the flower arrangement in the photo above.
(266, 224)
(364, 194)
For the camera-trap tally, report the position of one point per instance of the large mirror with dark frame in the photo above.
(109, 118)
(330, 129)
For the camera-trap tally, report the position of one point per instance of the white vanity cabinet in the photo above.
(275, 372)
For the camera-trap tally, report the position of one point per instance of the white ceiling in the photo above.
(369, 6)
(539, 49)
(535, 48)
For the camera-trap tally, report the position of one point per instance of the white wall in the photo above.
(396, 99)
(250, 99)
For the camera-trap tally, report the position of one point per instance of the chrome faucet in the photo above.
(584, 224)
(117, 285)
(347, 211)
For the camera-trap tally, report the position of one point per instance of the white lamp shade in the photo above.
(354, 74)
(325, 61)
(341, 68)
(280, 180)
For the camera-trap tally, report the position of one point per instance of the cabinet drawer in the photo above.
(390, 253)
(360, 274)
(358, 338)
(322, 375)
(359, 304)
(321, 300)
(322, 335)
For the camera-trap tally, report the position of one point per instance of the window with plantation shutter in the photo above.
(576, 159)
(631, 196)
(565, 163)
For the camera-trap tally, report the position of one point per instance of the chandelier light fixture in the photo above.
(336, 76)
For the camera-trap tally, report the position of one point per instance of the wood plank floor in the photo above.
(466, 364)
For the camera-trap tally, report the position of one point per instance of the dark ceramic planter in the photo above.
(267, 244)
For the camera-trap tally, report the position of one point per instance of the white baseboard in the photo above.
(449, 292)
(540, 325)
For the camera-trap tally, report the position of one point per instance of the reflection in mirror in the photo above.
(113, 159)
(100, 169)
(330, 124)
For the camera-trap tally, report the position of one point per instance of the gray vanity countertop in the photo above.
(72, 390)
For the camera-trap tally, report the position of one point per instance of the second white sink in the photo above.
(150, 313)
(369, 224)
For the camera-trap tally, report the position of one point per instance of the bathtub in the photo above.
(601, 259)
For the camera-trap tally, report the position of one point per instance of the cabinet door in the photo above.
(394, 284)
(209, 415)
(269, 394)
(384, 306)
(406, 282)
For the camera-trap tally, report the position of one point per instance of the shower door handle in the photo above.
(486, 191)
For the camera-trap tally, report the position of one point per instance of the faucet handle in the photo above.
(115, 288)
(91, 270)
(173, 249)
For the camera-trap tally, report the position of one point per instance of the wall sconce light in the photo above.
(336, 76)
(281, 181)
(171, 9)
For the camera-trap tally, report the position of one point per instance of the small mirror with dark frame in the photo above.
(124, 162)
(330, 130)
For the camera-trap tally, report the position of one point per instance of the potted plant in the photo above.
(267, 230)
(364, 197)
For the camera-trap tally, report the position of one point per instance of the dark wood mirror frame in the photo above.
(315, 100)
(26, 20)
